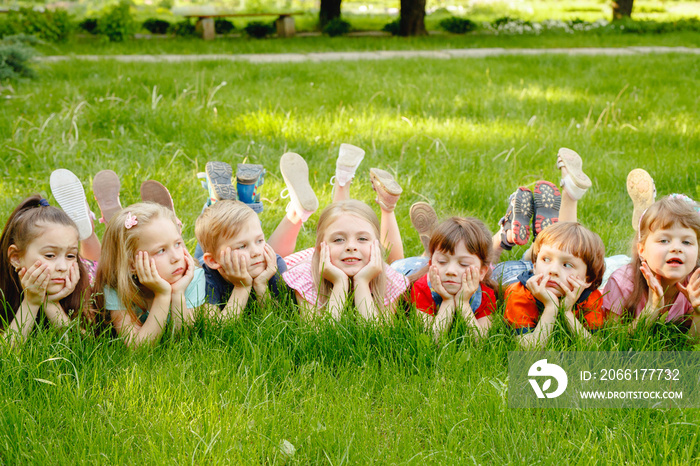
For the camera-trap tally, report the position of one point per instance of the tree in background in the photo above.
(330, 9)
(622, 9)
(412, 21)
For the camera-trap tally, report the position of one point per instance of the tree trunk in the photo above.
(412, 18)
(622, 9)
(330, 9)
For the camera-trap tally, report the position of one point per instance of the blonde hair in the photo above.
(579, 241)
(667, 212)
(329, 215)
(119, 246)
(220, 222)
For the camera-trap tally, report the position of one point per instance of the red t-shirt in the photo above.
(422, 297)
(522, 311)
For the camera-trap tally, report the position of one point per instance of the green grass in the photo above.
(459, 133)
(234, 45)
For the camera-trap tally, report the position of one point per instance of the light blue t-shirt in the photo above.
(195, 295)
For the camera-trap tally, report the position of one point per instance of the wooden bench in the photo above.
(205, 22)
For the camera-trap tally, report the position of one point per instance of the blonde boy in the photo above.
(568, 263)
(235, 257)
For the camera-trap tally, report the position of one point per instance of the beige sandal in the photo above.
(424, 220)
(388, 190)
(642, 191)
(575, 182)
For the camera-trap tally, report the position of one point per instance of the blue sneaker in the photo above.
(249, 178)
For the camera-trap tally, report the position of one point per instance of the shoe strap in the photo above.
(285, 193)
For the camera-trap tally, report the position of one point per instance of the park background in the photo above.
(458, 133)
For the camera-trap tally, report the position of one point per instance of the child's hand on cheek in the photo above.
(235, 268)
(573, 290)
(470, 283)
(34, 282)
(374, 266)
(69, 285)
(148, 275)
(436, 283)
(184, 281)
(537, 285)
(270, 267)
(329, 271)
(692, 290)
(656, 292)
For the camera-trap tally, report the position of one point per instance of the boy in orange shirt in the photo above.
(568, 261)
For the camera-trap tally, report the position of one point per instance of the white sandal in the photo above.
(576, 182)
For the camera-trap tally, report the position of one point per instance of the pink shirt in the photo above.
(299, 278)
(620, 287)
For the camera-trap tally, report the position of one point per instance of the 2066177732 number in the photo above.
(639, 374)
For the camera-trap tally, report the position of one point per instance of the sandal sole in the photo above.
(522, 215)
(70, 195)
(547, 198)
(219, 178)
(424, 219)
(153, 191)
(105, 189)
(640, 187)
(574, 167)
(349, 156)
(385, 180)
(249, 173)
(295, 173)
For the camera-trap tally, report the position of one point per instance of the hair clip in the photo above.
(43, 202)
(685, 198)
(130, 221)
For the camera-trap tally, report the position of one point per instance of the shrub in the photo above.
(156, 26)
(457, 25)
(117, 23)
(223, 26)
(393, 27)
(630, 26)
(16, 54)
(50, 25)
(183, 28)
(336, 27)
(89, 25)
(259, 30)
(507, 21)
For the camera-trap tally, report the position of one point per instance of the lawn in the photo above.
(461, 134)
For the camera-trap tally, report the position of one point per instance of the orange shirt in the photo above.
(523, 311)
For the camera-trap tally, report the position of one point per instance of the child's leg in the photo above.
(640, 187)
(349, 158)
(302, 203)
(90, 247)
(574, 183)
(388, 194)
(424, 220)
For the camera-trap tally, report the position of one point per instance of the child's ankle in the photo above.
(293, 217)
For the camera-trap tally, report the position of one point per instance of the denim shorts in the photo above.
(410, 265)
